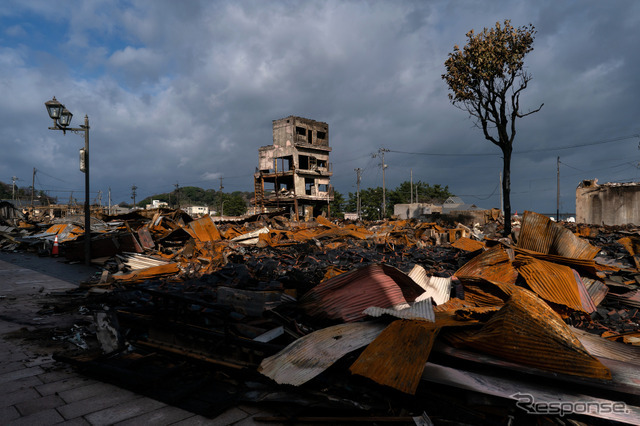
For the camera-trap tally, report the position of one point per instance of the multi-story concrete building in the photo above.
(295, 171)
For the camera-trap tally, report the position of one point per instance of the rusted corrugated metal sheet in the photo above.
(468, 244)
(397, 357)
(586, 265)
(541, 234)
(597, 290)
(64, 231)
(554, 283)
(203, 229)
(438, 288)
(597, 346)
(153, 272)
(527, 331)
(483, 292)
(453, 304)
(631, 298)
(493, 265)
(421, 311)
(346, 296)
(310, 355)
(530, 394)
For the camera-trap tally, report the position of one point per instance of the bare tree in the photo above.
(486, 79)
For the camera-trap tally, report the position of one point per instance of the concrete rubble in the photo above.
(391, 321)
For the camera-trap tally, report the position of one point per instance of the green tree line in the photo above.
(371, 199)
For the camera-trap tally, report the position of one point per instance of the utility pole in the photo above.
(380, 153)
(558, 195)
(222, 187)
(14, 179)
(358, 174)
(411, 191)
(177, 194)
(133, 194)
(33, 189)
(109, 212)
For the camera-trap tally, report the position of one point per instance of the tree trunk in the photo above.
(506, 189)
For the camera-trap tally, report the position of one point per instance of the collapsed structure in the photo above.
(374, 320)
(608, 204)
(294, 171)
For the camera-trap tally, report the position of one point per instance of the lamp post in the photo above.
(61, 120)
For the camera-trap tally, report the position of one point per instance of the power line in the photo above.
(600, 142)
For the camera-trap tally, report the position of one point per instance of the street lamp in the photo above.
(61, 119)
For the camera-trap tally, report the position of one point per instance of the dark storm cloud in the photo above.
(185, 92)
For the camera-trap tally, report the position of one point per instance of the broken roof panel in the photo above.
(310, 355)
(483, 292)
(346, 296)
(203, 229)
(421, 311)
(527, 331)
(541, 234)
(468, 244)
(397, 357)
(530, 394)
(493, 265)
(555, 283)
(153, 272)
(438, 288)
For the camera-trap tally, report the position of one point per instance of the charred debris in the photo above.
(401, 322)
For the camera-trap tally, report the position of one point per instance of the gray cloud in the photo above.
(185, 92)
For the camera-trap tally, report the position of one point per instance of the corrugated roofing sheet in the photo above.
(483, 292)
(493, 265)
(203, 229)
(597, 290)
(397, 357)
(554, 283)
(597, 346)
(468, 244)
(438, 288)
(527, 331)
(422, 311)
(310, 355)
(346, 296)
(541, 234)
(153, 272)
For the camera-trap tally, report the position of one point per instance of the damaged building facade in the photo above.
(608, 204)
(295, 171)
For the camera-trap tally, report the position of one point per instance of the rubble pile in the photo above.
(394, 321)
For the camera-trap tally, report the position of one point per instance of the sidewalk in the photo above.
(36, 390)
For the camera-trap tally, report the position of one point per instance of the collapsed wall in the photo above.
(608, 204)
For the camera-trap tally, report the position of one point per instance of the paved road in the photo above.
(36, 390)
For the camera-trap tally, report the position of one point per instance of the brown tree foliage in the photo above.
(486, 79)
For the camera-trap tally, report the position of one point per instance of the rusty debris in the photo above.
(396, 319)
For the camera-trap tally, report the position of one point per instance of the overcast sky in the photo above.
(184, 92)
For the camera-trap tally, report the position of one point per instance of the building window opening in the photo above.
(301, 131)
(323, 188)
(322, 164)
(309, 186)
(321, 135)
(304, 162)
